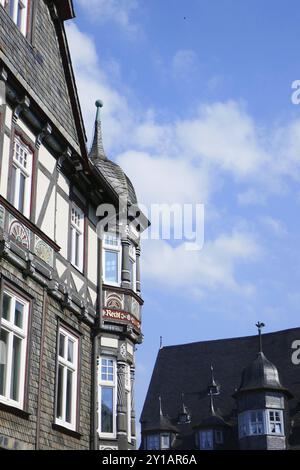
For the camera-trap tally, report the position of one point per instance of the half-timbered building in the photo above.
(70, 300)
(227, 394)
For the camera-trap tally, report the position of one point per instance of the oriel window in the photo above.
(112, 259)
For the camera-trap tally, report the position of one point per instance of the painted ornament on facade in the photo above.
(123, 350)
(43, 251)
(19, 233)
(114, 301)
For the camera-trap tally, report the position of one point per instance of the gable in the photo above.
(41, 64)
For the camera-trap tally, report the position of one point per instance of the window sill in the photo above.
(68, 432)
(13, 410)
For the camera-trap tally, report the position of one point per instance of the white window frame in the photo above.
(132, 259)
(77, 229)
(206, 432)
(115, 248)
(128, 400)
(26, 171)
(14, 6)
(163, 445)
(21, 333)
(270, 422)
(73, 367)
(245, 423)
(111, 383)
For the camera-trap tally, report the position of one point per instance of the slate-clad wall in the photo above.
(24, 429)
(39, 64)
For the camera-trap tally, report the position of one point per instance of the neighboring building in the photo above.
(67, 336)
(226, 394)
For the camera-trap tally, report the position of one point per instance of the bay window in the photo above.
(67, 376)
(13, 347)
(107, 398)
(112, 259)
(261, 422)
(77, 237)
(21, 177)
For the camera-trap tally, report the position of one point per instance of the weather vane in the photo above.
(260, 326)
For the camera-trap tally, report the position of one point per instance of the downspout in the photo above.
(39, 400)
(96, 334)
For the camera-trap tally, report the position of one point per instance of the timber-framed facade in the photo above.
(70, 315)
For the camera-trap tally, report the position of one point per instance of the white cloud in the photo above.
(116, 11)
(226, 136)
(160, 179)
(211, 268)
(176, 162)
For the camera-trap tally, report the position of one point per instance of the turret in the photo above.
(262, 403)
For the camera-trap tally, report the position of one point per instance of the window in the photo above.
(165, 441)
(21, 177)
(107, 398)
(256, 422)
(153, 442)
(275, 422)
(67, 374)
(206, 440)
(132, 264)
(112, 259)
(77, 237)
(13, 346)
(18, 11)
(128, 401)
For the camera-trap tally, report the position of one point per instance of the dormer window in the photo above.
(206, 440)
(18, 11)
(157, 441)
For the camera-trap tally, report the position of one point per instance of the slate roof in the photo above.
(112, 172)
(186, 369)
(39, 67)
(261, 374)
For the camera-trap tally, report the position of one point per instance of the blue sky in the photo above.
(198, 109)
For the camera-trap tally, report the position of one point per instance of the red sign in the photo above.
(120, 316)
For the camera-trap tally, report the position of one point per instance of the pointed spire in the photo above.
(213, 389)
(97, 151)
(260, 326)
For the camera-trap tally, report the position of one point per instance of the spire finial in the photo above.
(97, 150)
(259, 325)
(160, 342)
